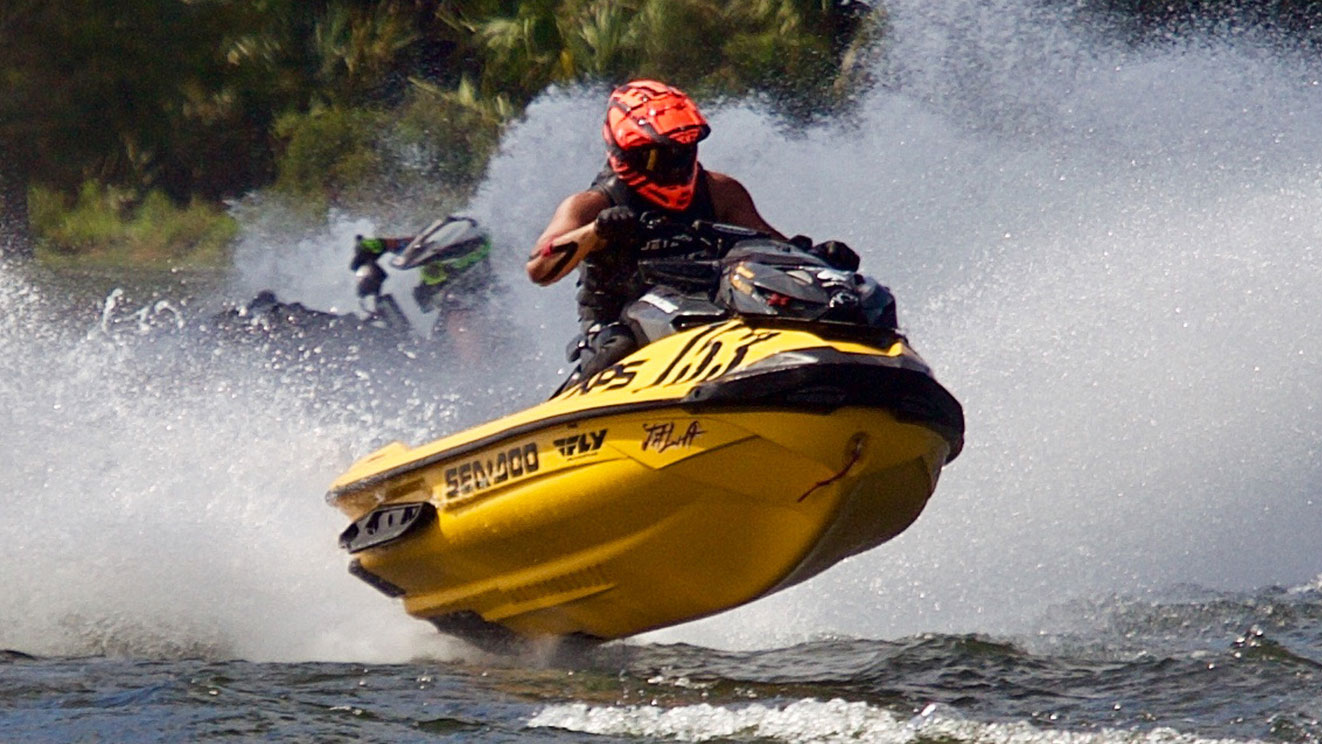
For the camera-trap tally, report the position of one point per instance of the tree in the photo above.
(15, 235)
(133, 93)
(184, 96)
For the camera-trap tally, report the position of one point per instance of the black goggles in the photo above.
(666, 165)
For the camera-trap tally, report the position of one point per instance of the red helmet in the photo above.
(652, 132)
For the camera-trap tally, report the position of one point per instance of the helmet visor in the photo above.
(668, 165)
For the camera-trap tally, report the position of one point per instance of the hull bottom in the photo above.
(649, 532)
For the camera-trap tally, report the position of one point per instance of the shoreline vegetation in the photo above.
(128, 125)
(106, 228)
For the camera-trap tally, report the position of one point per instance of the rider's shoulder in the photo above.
(588, 198)
(717, 177)
(722, 184)
(586, 203)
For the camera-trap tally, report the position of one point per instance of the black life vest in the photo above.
(608, 279)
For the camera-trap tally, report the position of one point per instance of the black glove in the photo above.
(837, 254)
(617, 225)
(802, 242)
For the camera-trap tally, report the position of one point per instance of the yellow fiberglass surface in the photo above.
(613, 508)
(661, 372)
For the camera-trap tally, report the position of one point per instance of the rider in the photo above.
(651, 132)
(454, 278)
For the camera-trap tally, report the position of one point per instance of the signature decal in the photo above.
(661, 437)
(480, 474)
(580, 444)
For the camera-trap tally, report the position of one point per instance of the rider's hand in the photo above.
(837, 254)
(617, 225)
(802, 242)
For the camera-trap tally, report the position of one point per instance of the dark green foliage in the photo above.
(128, 92)
(330, 99)
(334, 100)
(328, 151)
(799, 53)
(441, 136)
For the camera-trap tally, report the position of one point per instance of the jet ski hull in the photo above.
(703, 472)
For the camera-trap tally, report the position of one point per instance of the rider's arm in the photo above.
(568, 238)
(734, 205)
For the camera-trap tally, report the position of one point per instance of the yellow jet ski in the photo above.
(773, 426)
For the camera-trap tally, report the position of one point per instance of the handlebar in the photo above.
(686, 255)
(664, 237)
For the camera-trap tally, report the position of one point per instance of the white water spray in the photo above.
(1110, 256)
